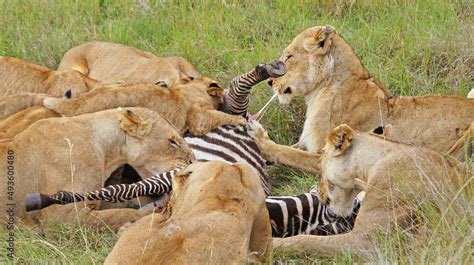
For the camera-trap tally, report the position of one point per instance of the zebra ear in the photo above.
(339, 139)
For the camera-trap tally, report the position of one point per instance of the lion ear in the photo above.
(133, 124)
(340, 139)
(322, 39)
(215, 90)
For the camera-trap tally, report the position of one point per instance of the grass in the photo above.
(414, 47)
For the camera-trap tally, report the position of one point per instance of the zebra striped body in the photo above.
(231, 144)
(305, 215)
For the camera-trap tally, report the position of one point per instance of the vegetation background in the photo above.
(414, 47)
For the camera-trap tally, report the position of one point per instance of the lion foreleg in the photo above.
(328, 246)
(201, 122)
(289, 156)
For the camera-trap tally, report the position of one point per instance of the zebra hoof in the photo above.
(33, 201)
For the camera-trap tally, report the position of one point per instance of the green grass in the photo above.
(414, 47)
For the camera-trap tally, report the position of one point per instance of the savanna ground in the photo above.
(414, 47)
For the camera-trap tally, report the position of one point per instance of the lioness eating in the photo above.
(81, 152)
(218, 216)
(396, 178)
(191, 105)
(338, 89)
(18, 76)
(112, 62)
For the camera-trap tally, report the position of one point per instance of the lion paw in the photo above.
(256, 130)
(52, 103)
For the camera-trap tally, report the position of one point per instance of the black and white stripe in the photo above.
(238, 94)
(306, 215)
(160, 184)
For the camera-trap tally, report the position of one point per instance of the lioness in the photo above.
(218, 216)
(395, 176)
(112, 62)
(17, 76)
(86, 148)
(191, 105)
(338, 89)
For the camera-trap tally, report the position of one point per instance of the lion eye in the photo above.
(288, 58)
(174, 143)
(330, 186)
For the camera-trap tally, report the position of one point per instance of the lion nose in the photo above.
(287, 90)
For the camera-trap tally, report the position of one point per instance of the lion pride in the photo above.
(112, 63)
(338, 89)
(80, 153)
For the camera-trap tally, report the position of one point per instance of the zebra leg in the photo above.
(155, 185)
(261, 235)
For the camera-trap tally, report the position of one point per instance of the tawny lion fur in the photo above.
(218, 216)
(19, 121)
(338, 89)
(395, 176)
(79, 153)
(18, 76)
(190, 105)
(12, 104)
(112, 63)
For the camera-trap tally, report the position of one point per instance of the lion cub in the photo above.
(80, 152)
(18, 76)
(218, 216)
(191, 105)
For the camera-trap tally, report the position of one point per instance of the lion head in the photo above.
(317, 57)
(152, 144)
(202, 91)
(70, 81)
(338, 186)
